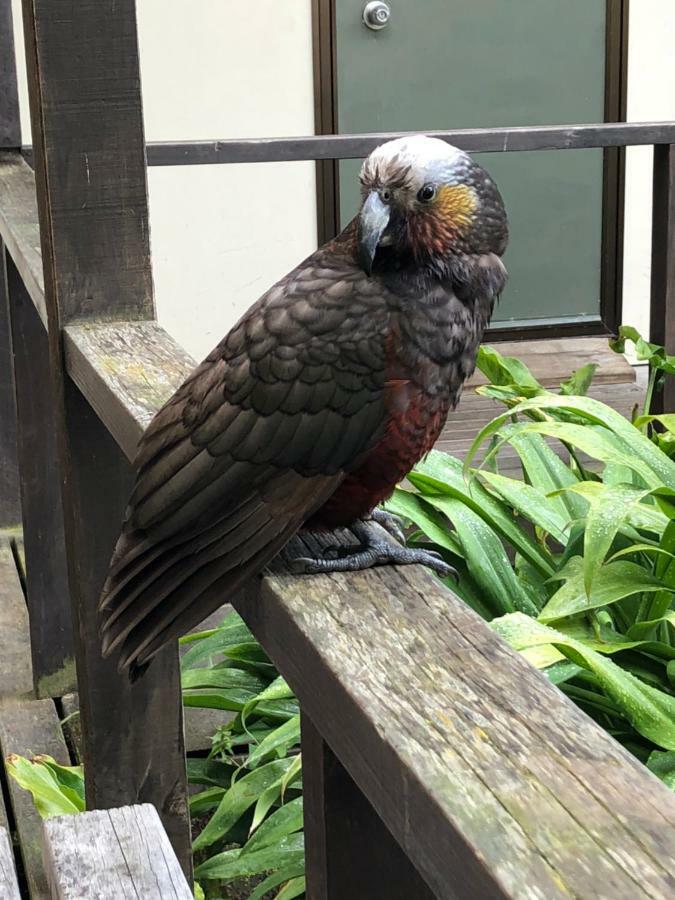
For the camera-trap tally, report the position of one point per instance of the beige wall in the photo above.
(221, 235)
(651, 97)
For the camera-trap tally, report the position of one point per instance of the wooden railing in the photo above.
(436, 762)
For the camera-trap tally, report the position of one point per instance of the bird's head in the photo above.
(425, 202)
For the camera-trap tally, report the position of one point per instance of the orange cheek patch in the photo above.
(455, 205)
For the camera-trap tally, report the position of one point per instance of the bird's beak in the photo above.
(373, 220)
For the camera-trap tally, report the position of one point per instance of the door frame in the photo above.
(611, 251)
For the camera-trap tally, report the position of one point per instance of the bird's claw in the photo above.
(391, 523)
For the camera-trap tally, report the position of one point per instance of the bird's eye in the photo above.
(386, 195)
(427, 193)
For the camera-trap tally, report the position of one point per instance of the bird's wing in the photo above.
(248, 448)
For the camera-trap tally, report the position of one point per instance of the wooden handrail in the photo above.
(486, 775)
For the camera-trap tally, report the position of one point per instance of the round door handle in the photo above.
(376, 15)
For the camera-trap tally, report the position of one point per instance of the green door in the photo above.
(445, 64)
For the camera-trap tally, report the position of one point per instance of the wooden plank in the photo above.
(116, 853)
(29, 727)
(355, 146)
(19, 227)
(89, 152)
(339, 825)
(10, 505)
(16, 677)
(450, 734)
(47, 591)
(9, 886)
(10, 125)
(126, 370)
(662, 320)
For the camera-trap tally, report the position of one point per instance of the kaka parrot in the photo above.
(316, 404)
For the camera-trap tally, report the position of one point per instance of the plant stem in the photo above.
(653, 371)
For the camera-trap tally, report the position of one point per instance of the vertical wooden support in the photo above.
(349, 851)
(662, 327)
(10, 507)
(47, 594)
(10, 127)
(84, 84)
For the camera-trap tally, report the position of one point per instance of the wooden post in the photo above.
(89, 148)
(10, 507)
(10, 137)
(47, 593)
(348, 849)
(10, 127)
(662, 325)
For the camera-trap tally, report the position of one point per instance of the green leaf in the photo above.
(650, 711)
(231, 633)
(579, 381)
(285, 873)
(486, 558)
(292, 889)
(224, 678)
(292, 774)
(663, 766)
(609, 509)
(206, 800)
(530, 502)
(236, 864)
(439, 473)
(238, 798)
(234, 700)
(548, 473)
(506, 370)
(652, 353)
(286, 820)
(658, 468)
(210, 771)
(278, 743)
(51, 798)
(411, 506)
(612, 582)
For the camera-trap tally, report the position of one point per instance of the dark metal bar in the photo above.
(349, 850)
(10, 125)
(86, 115)
(354, 146)
(662, 322)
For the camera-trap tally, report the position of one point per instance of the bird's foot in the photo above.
(373, 550)
(392, 524)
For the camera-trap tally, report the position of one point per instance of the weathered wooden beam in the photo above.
(10, 503)
(355, 146)
(10, 125)
(89, 150)
(47, 591)
(116, 853)
(19, 227)
(348, 850)
(9, 886)
(16, 678)
(126, 370)
(662, 321)
(492, 782)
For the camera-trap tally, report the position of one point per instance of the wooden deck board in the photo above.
(16, 678)
(28, 727)
(9, 886)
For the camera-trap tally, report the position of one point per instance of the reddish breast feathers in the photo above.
(414, 424)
